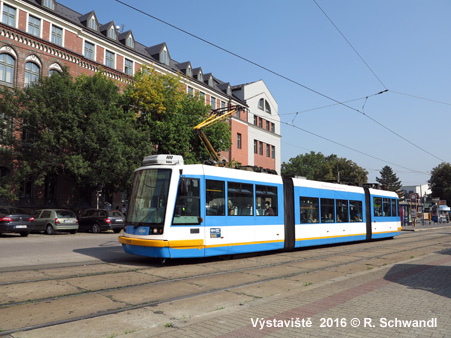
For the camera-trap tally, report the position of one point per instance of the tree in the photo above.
(440, 181)
(74, 128)
(316, 166)
(167, 114)
(389, 180)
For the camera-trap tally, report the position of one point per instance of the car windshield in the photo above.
(149, 197)
(11, 211)
(115, 213)
(65, 214)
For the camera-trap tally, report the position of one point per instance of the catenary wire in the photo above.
(278, 74)
(349, 43)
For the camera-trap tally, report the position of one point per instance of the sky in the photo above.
(324, 61)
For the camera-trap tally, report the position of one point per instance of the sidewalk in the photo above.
(427, 226)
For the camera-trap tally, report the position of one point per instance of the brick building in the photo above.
(38, 37)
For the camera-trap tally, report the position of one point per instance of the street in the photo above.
(84, 286)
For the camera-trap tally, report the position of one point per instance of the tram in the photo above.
(182, 211)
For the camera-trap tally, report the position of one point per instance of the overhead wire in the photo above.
(349, 43)
(285, 77)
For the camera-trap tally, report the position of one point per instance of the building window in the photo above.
(164, 57)
(9, 15)
(92, 23)
(129, 42)
(34, 26)
(200, 77)
(268, 150)
(53, 72)
(267, 107)
(190, 91)
(112, 33)
(260, 148)
(273, 130)
(109, 59)
(202, 96)
(255, 147)
(213, 102)
(223, 105)
(260, 122)
(89, 50)
(57, 35)
(268, 125)
(129, 67)
(238, 140)
(273, 151)
(261, 104)
(255, 120)
(7, 64)
(49, 4)
(31, 73)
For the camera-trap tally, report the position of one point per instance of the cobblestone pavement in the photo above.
(411, 299)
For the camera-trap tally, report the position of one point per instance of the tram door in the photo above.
(215, 240)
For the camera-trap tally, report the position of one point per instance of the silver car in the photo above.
(51, 220)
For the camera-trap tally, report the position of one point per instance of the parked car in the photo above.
(15, 220)
(97, 220)
(51, 220)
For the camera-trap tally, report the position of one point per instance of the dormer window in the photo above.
(189, 71)
(49, 4)
(229, 91)
(130, 42)
(92, 23)
(164, 57)
(210, 81)
(200, 77)
(264, 105)
(112, 33)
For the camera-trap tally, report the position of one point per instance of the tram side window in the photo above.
(356, 211)
(342, 211)
(394, 208)
(266, 200)
(187, 205)
(327, 210)
(309, 210)
(387, 207)
(377, 205)
(215, 198)
(240, 199)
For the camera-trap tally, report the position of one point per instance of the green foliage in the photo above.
(76, 128)
(162, 109)
(316, 166)
(389, 180)
(440, 181)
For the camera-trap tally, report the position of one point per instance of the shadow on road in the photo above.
(431, 278)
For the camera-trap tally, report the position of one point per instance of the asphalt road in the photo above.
(39, 250)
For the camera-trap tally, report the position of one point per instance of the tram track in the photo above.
(430, 242)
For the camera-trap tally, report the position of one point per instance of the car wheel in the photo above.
(73, 232)
(95, 228)
(49, 230)
(24, 234)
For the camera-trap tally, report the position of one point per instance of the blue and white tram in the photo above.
(181, 211)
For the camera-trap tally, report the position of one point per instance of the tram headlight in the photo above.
(155, 230)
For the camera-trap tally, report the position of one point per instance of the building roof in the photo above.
(148, 52)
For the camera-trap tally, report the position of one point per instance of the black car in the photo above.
(15, 220)
(97, 220)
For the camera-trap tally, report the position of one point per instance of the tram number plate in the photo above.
(215, 233)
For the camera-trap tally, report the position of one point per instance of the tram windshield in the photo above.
(149, 197)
